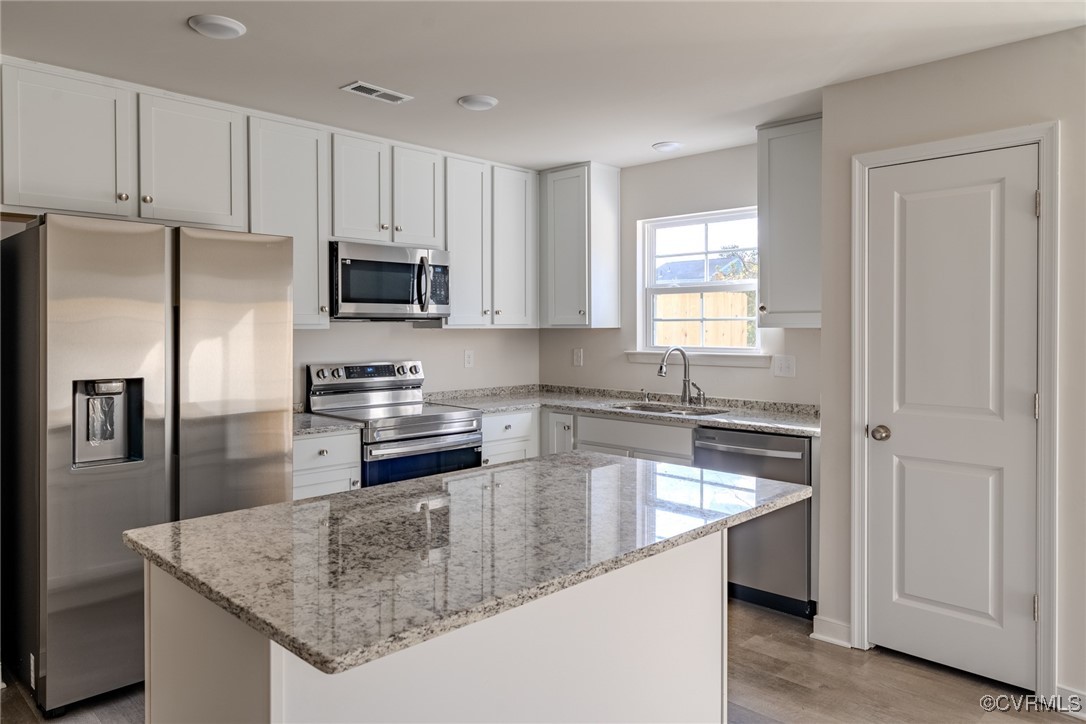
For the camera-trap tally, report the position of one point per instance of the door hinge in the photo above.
(1037, 406)
(1037, 204)
(1036, 607)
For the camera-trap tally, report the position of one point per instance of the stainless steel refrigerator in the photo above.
(147, 377)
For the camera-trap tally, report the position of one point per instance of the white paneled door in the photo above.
(952, 374)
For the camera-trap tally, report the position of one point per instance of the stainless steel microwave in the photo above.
(388, 283)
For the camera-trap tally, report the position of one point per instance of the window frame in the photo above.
(648, 289)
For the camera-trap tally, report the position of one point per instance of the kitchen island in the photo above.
(573, 587)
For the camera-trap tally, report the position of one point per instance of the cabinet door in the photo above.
(68, 144)
(324, 482)
(559, 433)
(192, 163)
(361, 192)
(789, 223)
(288, 191)
(467, 190)
(515, 292)
(506, 452)
(418, 198)
(566, 225)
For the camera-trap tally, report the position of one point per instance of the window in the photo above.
(701, 280)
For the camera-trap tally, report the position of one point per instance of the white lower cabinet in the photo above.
(557, 432)
(510, 437)
(647, 441)
(326, 464)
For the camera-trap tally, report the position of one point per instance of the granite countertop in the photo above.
(773, 417)
(348, 578)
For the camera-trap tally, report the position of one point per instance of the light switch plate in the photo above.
(578, 357)
(784, 365)
(469, 358)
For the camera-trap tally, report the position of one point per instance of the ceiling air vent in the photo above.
(374, 91)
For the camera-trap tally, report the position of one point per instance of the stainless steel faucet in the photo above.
(684, 398)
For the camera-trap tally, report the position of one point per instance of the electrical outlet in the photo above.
(469, 358)
(578, 357)
(784, 365)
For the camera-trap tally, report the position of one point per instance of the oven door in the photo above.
(389, 462)
(371, 281)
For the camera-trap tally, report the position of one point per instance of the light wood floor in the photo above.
(777, 673)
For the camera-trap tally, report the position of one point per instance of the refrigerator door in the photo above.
(234, 365)
(106, 315)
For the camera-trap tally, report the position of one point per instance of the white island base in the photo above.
(643, 643)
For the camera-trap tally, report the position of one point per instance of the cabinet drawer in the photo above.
(506, 452)
(514, 426)
(324, 482)
(328, 451)
(677, 441)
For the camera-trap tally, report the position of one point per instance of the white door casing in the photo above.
(952, 372)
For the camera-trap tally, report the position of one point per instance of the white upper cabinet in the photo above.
(192, 163)
(581, 262)
(790, 225)
(468, 234)
(68, 144)
(491, 235)
(288, 189)
(418, 197)
(361, 188)
(515, 270)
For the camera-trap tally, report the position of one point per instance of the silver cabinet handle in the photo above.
(323, 453)
(399, 228)
(762, 308)
(755, 451)
(497, 311)
(580, 312)
(123, 196)
(508, 427)
(146, 198)
(880, 432)
(486, 311)
(486, 461)
(324, 310)
(356, 484)
(566, 427)
(384, 227)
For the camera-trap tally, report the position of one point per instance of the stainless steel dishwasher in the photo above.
(769, 558)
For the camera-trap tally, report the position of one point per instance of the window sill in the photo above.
(704, 359)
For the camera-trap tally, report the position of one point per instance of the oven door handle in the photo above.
(424, 288)
(743, 450)
(389, 450)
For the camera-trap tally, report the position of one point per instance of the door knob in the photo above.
(147, 199)
(880, 432)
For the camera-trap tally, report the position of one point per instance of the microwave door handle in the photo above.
(424, 296)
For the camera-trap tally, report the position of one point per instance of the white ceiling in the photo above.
(576, 80)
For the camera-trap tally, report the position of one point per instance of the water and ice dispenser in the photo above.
(108, 425)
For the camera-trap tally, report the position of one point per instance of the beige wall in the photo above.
(1042, 79)
(705, 182)
(502, 357)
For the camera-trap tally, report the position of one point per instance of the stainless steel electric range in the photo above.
(402, 436)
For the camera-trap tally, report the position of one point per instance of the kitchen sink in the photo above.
(666, 409)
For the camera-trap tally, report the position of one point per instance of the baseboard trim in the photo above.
(832, 632)
(1066, 694)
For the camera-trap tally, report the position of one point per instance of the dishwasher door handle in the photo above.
(756, 451)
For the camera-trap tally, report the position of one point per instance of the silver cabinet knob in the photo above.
(384, 227)
(146, 198)
(880, 432)
(324, 310)
(486, 311)
(123, 196)
(322, 453)
(486, 461)
(762, 308)
(566, 427)
(399, 228)
(355, 484)
(508, 427)
(497, 311)
(580, 312)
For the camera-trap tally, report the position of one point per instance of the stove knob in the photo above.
(401, 370)
(322, 373)
(337, 372)
(415, 369)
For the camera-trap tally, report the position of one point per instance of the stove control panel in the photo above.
(366, 375)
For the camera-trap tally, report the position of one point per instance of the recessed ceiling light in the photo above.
(667, 146)
(477, 103)
(218, 27)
